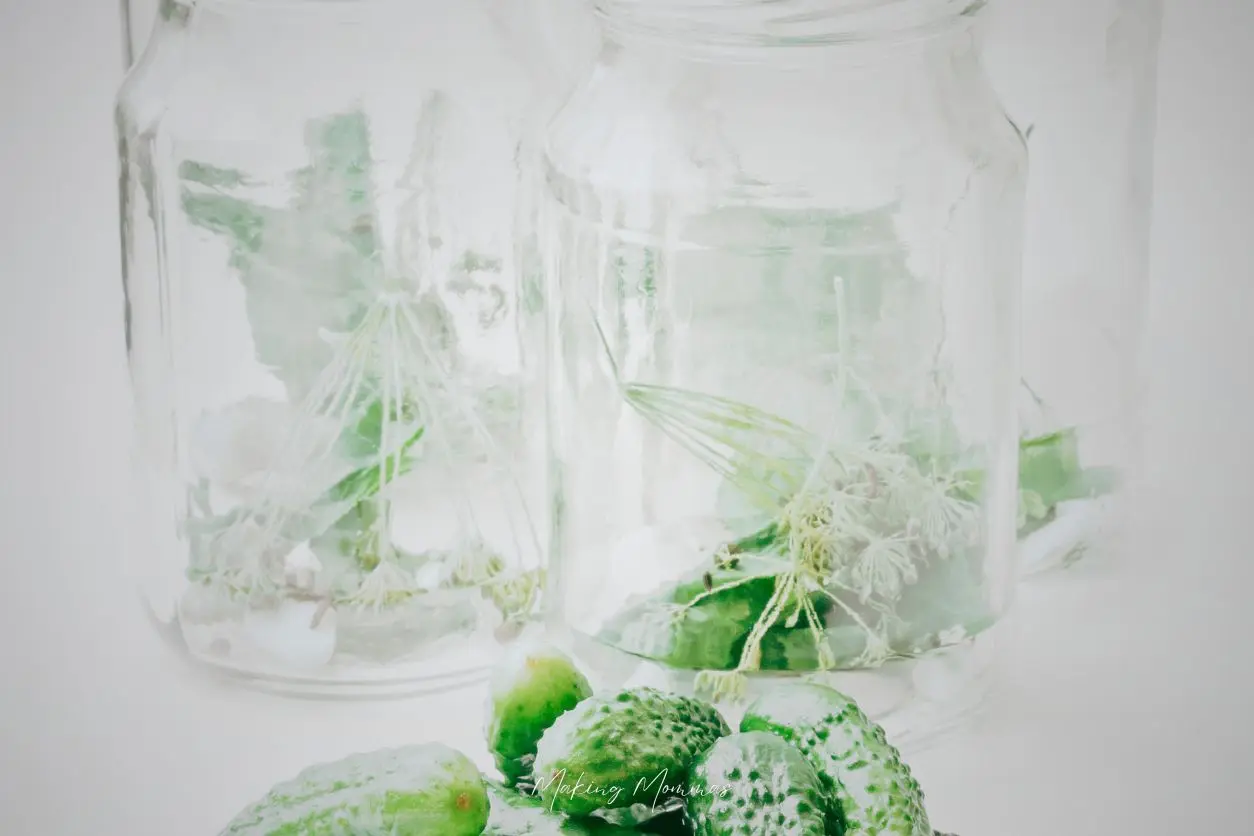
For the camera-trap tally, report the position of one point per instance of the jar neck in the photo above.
(172, 17)
(310, 9)
(726, 27)
(395, 21)
(285, 4)
(174, 11)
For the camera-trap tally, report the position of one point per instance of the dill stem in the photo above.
(723, 588)
(848, 610)
(784, 586)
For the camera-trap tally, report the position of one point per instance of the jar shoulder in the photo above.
(631, 129)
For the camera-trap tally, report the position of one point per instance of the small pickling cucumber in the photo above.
(421, 789)
(875, 789)
(720, 608)
(795, 649)
(708, 635)
(673, 822)
(531, 688)
(615, 750)
(516, 813)
(758, 784)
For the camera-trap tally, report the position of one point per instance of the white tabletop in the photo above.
(1123, 710)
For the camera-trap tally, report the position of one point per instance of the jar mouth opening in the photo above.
(784, 23)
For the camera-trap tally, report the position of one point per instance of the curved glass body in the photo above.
(556, 41)
(336, 474)
(1079, 77)
(139, 17)
(782, 247)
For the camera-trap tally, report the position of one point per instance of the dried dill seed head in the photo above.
(515, 596)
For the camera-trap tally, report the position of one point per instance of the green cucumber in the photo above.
(708, 635)
(758, 784)
(875, 789)
(422, 789)
(516, 813)
(529, 691)
(617, 750)
(721, 607)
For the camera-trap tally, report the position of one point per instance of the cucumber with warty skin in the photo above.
(758, 784)
(710, 633)
(410, 790)
(519, 813)
(865, 773)
(720, 608)
(534, 686)
(616, 750)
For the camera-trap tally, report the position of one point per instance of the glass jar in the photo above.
(338, 482)
(782, 254)
(139, 17)
(555, 41)
(1079, 77)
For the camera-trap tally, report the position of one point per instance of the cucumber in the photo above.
(875, 789)
(617, 750)
(711, 633)
(534, 686)
(673, 822)
(708, 636)
(422, 789)
(517, 813)
(758, 784)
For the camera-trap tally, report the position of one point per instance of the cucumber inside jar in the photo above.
(834, 557)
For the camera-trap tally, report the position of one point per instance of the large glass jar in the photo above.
(783, 249)
(555, 41)
(139, 18)
(1079, 78)
(336, 475)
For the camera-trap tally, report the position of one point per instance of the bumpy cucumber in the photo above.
(633, 747)
(758, 784)
(530, 690)
(423, 789)
(516, 813)
(711, 632)
(674, 822)
(875, 789)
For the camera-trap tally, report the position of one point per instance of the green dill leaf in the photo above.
(365, 482)
(308, 268)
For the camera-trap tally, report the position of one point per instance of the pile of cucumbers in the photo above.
(805, 761)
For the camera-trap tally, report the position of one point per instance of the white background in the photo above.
(1124, 706)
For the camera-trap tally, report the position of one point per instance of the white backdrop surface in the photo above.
(1123, 710)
